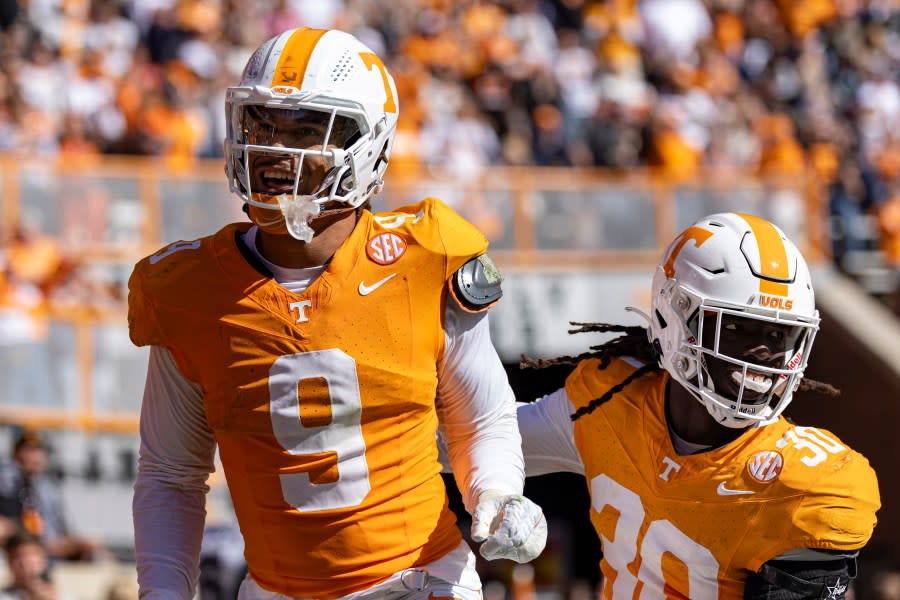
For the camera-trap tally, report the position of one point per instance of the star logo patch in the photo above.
(835, 591)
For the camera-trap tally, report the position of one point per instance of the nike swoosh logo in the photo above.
(724, 491)
(365, 290)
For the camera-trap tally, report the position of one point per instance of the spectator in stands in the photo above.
(34, 259)
(29, 565)
(9, 10)
(886, 585)
(828, 63)
(23, 326)
(222, 564)
(816, 62)
(849, 207)
(883, 581)
(744, 84)
(123, 588)
(36, 271)
(889, 227)
(889, 224)
(30, 500)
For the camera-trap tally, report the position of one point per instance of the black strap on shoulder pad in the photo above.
(476, 284)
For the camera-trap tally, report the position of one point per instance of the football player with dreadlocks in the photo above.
(699, 487)
(318, 347)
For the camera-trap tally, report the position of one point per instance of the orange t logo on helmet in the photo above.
(371, 59)
(698, 234)
(774, 270)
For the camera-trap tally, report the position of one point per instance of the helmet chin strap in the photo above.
(725, 417)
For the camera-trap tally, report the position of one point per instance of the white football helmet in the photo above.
(733, 316)
(340, 103)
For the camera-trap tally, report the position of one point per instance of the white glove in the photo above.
(510, 526)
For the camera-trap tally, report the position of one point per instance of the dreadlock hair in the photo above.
(634, 343)
(811, 385)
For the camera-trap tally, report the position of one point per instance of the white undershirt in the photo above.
(476, 410)
(295, 280)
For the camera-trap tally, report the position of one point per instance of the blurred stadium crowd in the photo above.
(769, 86)
(678, 84)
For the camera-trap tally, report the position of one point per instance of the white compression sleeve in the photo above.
(476, 408)
(548, 441)
(176, 457)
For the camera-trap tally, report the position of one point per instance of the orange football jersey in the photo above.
(676, 526)
(322, 403)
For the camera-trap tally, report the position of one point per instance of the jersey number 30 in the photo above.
(338, 439)
(662, 537)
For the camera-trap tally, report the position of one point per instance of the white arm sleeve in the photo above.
(169, 506)
(548, 441)
(477, 411)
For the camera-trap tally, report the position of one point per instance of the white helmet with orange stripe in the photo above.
(734, 317)
(309, 128)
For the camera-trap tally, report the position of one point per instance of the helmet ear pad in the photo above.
(712, 276)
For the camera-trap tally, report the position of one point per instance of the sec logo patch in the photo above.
(386, 248)
(765, 466)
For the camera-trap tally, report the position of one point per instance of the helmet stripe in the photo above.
(773, 260)
(295, 55)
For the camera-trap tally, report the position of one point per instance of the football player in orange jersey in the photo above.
(699, 487)
(319, 348)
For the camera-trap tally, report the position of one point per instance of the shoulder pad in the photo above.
(436, 228)
(476, 284)
(588, 381)
(839, 487)
(177, 275)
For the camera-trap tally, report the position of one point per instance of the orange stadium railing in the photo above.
(107, 212)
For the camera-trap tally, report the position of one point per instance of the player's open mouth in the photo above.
(757, 383)
(274, 180)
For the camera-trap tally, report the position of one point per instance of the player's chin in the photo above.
(270, 220)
